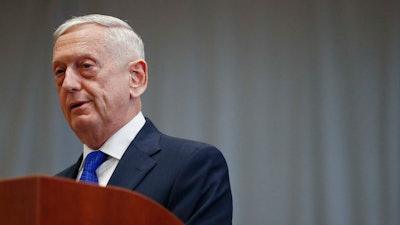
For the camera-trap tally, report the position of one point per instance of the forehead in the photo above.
(87, 39)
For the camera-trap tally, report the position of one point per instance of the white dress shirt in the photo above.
(114, 147)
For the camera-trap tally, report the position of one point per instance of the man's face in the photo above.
(92, 85)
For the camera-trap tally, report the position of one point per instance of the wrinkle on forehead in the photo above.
(79, 42)
(88, 40)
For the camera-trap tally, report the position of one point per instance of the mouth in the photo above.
(78, 104)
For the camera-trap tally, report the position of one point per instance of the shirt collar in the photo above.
(116, 145)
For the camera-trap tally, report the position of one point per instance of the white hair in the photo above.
(119, 33)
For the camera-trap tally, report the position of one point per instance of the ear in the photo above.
(138, 78)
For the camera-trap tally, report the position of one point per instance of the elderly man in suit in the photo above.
(100, 73)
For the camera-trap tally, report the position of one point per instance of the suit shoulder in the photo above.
(184, 145)
(189, 149)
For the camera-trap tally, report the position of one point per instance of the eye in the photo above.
(58, 71)
(86, 65)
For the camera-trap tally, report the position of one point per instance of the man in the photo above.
(100, 73)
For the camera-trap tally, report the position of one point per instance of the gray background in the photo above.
(302, 97)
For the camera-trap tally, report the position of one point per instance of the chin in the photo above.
(82, 123)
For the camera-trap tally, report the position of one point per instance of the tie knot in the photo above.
(92, 162)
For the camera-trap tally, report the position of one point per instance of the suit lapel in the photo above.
(137, 161)
(72, 171)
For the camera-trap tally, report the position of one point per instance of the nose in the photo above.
(72, 81)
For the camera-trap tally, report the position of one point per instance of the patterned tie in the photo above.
(92, 162)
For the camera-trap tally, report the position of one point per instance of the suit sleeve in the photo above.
(201, 194)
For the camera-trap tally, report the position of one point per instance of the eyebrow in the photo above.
(75, 57)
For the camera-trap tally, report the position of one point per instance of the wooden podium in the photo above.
(42, 200)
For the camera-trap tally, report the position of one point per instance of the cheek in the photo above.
(116, 100)
(62, 100)
(118, 88)
(108, 90)
(63, 105)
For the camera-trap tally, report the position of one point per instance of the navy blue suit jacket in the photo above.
(188, 178)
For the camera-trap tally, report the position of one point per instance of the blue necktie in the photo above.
(92, 162)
